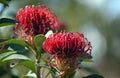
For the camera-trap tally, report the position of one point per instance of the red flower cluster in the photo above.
(64, 49)
(39, 19)
(34, 20)
(67, 45)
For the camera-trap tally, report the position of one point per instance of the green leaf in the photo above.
(29, 64)
(15, 41)
(7, 22)
(5, 2)
(86, 56)
(4, 51)
(94, 76)
(18, 48)
(30, 74)
(87, 60)
(38, 40)
(25, 61)
(2, 63)
(5, 55)
(16, 57)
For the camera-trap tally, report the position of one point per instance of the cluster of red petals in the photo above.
(67, 44)
(36, 19)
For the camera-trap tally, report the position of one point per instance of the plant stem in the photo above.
(38, 72)
(38, 66)
(38, 55)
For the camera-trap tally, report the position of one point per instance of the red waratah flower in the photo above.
(34, 20)
(65, 48)
(67, 45)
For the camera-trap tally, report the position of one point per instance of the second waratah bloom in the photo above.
(65, 48)
(33, 21)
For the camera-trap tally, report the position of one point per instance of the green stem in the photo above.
(38, 55)
(32, 50)
(47, 74)
(38, 72)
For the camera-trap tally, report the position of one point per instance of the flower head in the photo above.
(34, 20)
(65, 48)
(67, 45)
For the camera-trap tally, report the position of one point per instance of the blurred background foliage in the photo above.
(99, 20)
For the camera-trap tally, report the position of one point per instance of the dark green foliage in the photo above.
(94, 76)
(7, 22)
